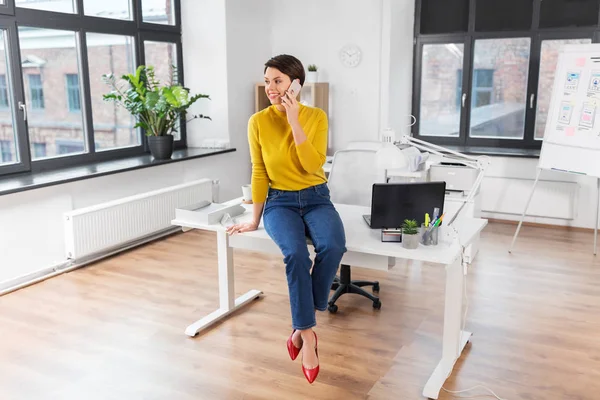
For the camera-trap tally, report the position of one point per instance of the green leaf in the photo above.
(152, 99)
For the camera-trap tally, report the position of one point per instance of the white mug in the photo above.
(246, 192)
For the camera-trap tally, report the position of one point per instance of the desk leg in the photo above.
(454, 338)
(227, 301)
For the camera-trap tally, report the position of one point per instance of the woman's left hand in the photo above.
(292, 108)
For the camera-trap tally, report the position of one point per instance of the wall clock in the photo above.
(350, 55)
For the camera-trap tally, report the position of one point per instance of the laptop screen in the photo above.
(392, 203)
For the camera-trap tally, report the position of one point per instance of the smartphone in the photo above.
(295, 87)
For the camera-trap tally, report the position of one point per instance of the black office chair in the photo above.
(353, 173)
(344, 284)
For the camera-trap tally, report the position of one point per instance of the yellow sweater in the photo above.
(276, 160)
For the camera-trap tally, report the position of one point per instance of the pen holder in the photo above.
(429, 236)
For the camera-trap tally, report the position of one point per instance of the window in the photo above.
(501, 116)
(438, 84)
(39, 150)
(3, 92)
(6, 151)
(51, 88)
(569, 13)
(483, 88)
(115, 9)
(158, 11)
(113, 125)
(443, 16)
(10, 159)
(73, 98)
(163, 56)
(505, 15)
(62, 6)
(36, 91)
(484, 76)
(68, 146)
(61, 117)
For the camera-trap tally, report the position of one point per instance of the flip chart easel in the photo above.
(572, 135)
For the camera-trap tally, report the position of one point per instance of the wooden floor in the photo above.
(115, 330)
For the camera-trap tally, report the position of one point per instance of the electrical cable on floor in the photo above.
(464, 322)
(471, 389)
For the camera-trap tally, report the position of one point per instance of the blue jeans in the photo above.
(289, 218)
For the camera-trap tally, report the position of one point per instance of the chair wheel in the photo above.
(376, 287)
(332, 308)
(377, 304)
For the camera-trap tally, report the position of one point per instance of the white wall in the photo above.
(569, 198)
(248, 48)
(32, 232)
(402, 15)
(205, 66)
(315, 31)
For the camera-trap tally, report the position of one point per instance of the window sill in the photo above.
(29, 181)
(496, 151)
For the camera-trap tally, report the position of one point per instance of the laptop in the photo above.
(392, 203)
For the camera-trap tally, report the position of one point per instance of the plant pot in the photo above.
(312, 76)
(161, 147)
(410, 241)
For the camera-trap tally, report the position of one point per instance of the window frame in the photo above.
(11, 17)
(469, 38)
(8, 8)
(166, 37)
(15, 83)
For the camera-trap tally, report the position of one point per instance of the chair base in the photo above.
(345, 284)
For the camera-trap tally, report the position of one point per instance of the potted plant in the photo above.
(312, 74)
(157, 108)
(410, 234)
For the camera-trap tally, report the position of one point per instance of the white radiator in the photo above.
(115, 224)
(551, 199)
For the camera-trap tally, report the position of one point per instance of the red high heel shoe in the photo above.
(292, 349)
(311, 373)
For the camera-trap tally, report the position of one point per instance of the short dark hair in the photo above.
(288, 65)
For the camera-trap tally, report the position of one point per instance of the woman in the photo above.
(288, 143)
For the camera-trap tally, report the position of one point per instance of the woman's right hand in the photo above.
(241, 228)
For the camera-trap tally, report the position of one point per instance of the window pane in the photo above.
(113, 125)
(115, 9)
(504, 64)
(494, 15)
(569, 13)
(163, 57)
(158, 11)
(443, 16)
(441, 84)
(8, 148)
(548, 61)
(73, 96)
(64, 6)
(47, 57)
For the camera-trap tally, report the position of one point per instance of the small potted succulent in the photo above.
(312, 75)
(410, 234)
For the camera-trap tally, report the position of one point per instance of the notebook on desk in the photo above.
(392, 203)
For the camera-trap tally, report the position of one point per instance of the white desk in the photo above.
(365, 249)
